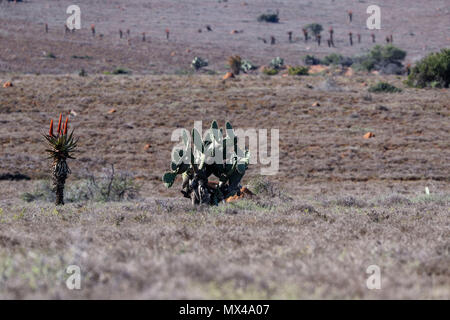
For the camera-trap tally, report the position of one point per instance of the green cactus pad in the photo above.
(169, 179)
(197, 140)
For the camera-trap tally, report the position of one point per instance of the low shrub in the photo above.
(315, 28)
(384, 87)
(431, 71)
(387, 59)
(270, 71)
(269, 17)
(298, 71)
(120, 71)
(311, 60)
(108, 187)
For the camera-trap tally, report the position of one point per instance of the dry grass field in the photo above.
(345, 203)
(338, 204)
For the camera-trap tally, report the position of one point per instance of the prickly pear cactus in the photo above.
(217, 155)
(277, 63)
(247, 66)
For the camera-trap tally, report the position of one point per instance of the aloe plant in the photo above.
(198, 159)
(60, 148)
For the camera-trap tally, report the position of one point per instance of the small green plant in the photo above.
(198, 63)
(269, 17)
(311, 60)
(431, 71)
(198, 159)
(120, 71)
(235, 64)
(60, 148)
(247, 66)
(270, 71)
(51, 55)
(82, 73)
(384, 87)
(298, 71)
(277, 63)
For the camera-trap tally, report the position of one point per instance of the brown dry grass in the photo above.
(262, 249)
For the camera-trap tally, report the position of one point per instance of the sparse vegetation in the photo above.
(432, 71)
(82, 57)
(311, 60)
(269, 17)
(270, 71)
(315, 28)
(82, 73)
(298, 71)
(51, 55)
(384, 87)
(108, 187)
(119, 71)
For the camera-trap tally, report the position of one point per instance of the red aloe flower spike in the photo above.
(59, 123)
(50, 132)
(66, 124)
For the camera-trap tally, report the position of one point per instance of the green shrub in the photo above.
(384, 87)
(380, 57)
(333, 58)
(311, 60)
(51, 55)
(269, 17)
(270, 71)
(432, 71)
(298, 71)
(120, 71)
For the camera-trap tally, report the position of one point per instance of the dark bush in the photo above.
(269, 17)
(315, 28)
(384, 87)
(310, 60)
(298, 71)
(432, 71)
(386, 59)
